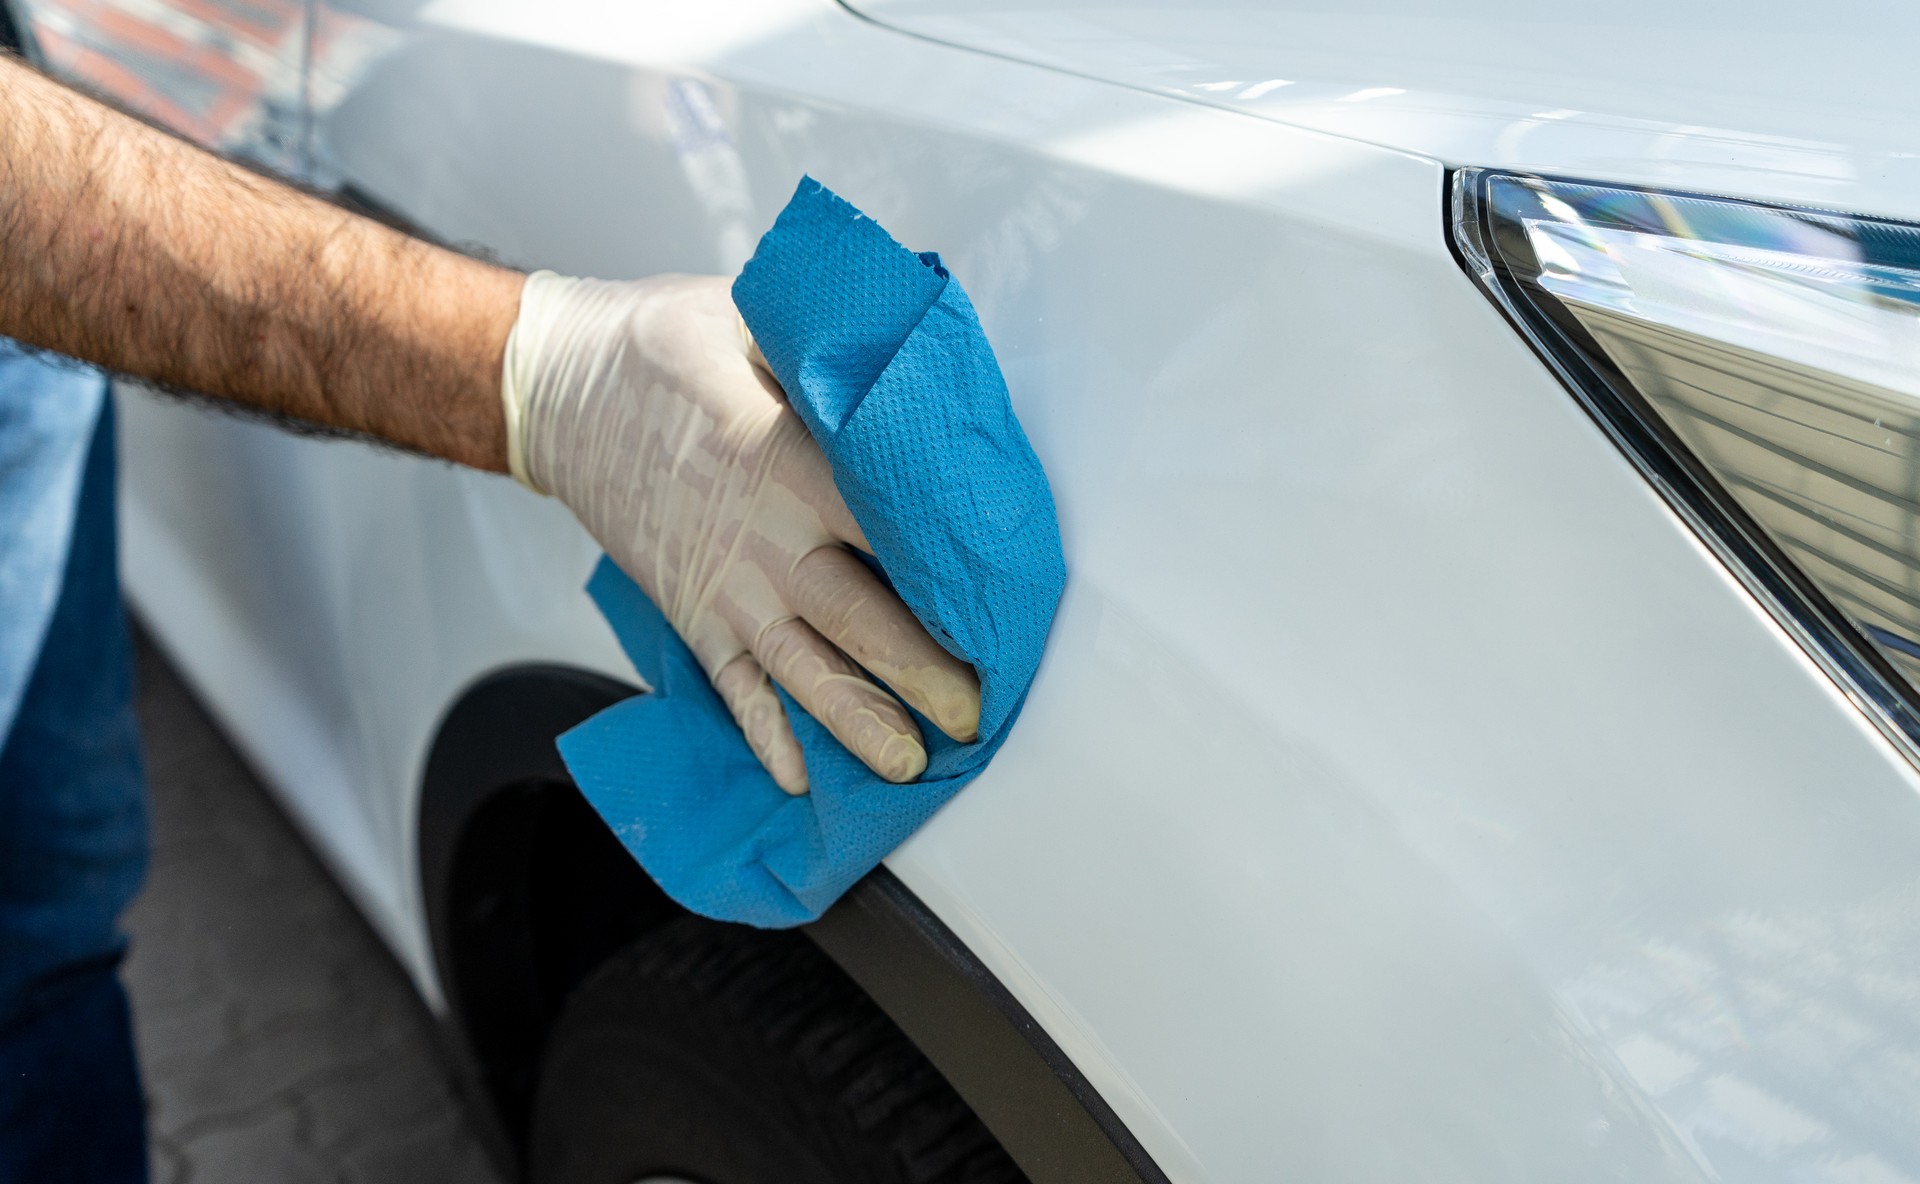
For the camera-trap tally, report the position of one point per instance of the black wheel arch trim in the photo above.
(498, 738)
(1026, 1090)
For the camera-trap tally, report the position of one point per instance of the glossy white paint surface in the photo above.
(1406, 794)
(1771, 99)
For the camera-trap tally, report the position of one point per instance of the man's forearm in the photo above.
(125, 247)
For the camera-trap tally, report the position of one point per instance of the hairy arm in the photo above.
(639, 405)
(125, 247)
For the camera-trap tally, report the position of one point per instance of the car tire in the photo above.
(717, 1054)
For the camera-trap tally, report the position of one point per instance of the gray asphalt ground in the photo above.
(280, 1041)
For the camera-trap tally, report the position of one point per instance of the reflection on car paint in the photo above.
(228, 74)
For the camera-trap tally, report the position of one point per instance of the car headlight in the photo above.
(1761, 365)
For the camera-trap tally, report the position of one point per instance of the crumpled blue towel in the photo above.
(882, 355)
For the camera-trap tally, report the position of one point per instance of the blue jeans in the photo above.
(72, 810)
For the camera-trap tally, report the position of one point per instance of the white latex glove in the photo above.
(641, 407)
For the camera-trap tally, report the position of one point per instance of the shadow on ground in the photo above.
(280, 1041)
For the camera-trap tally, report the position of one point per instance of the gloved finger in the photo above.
(860, 715)
(753, 348)
(836, 594)
(805, 471)
(744, 688)
(808, 474)
(814, 484)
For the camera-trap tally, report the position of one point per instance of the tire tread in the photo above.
(773, 999)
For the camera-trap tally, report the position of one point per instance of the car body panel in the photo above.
(330, 603)
(1758, 100)
(1406, 792)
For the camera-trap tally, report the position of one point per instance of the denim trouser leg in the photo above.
(72, 853)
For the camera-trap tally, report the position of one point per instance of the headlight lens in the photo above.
(1762, 365)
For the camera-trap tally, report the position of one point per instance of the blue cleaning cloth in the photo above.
(882, 355)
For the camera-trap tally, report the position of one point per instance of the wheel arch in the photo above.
(527, 891)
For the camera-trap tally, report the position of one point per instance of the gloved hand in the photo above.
(641, 406)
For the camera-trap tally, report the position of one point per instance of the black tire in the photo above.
(724, 1055)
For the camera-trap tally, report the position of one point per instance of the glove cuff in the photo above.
(517, 374)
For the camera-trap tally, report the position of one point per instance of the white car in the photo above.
(1478, 739)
